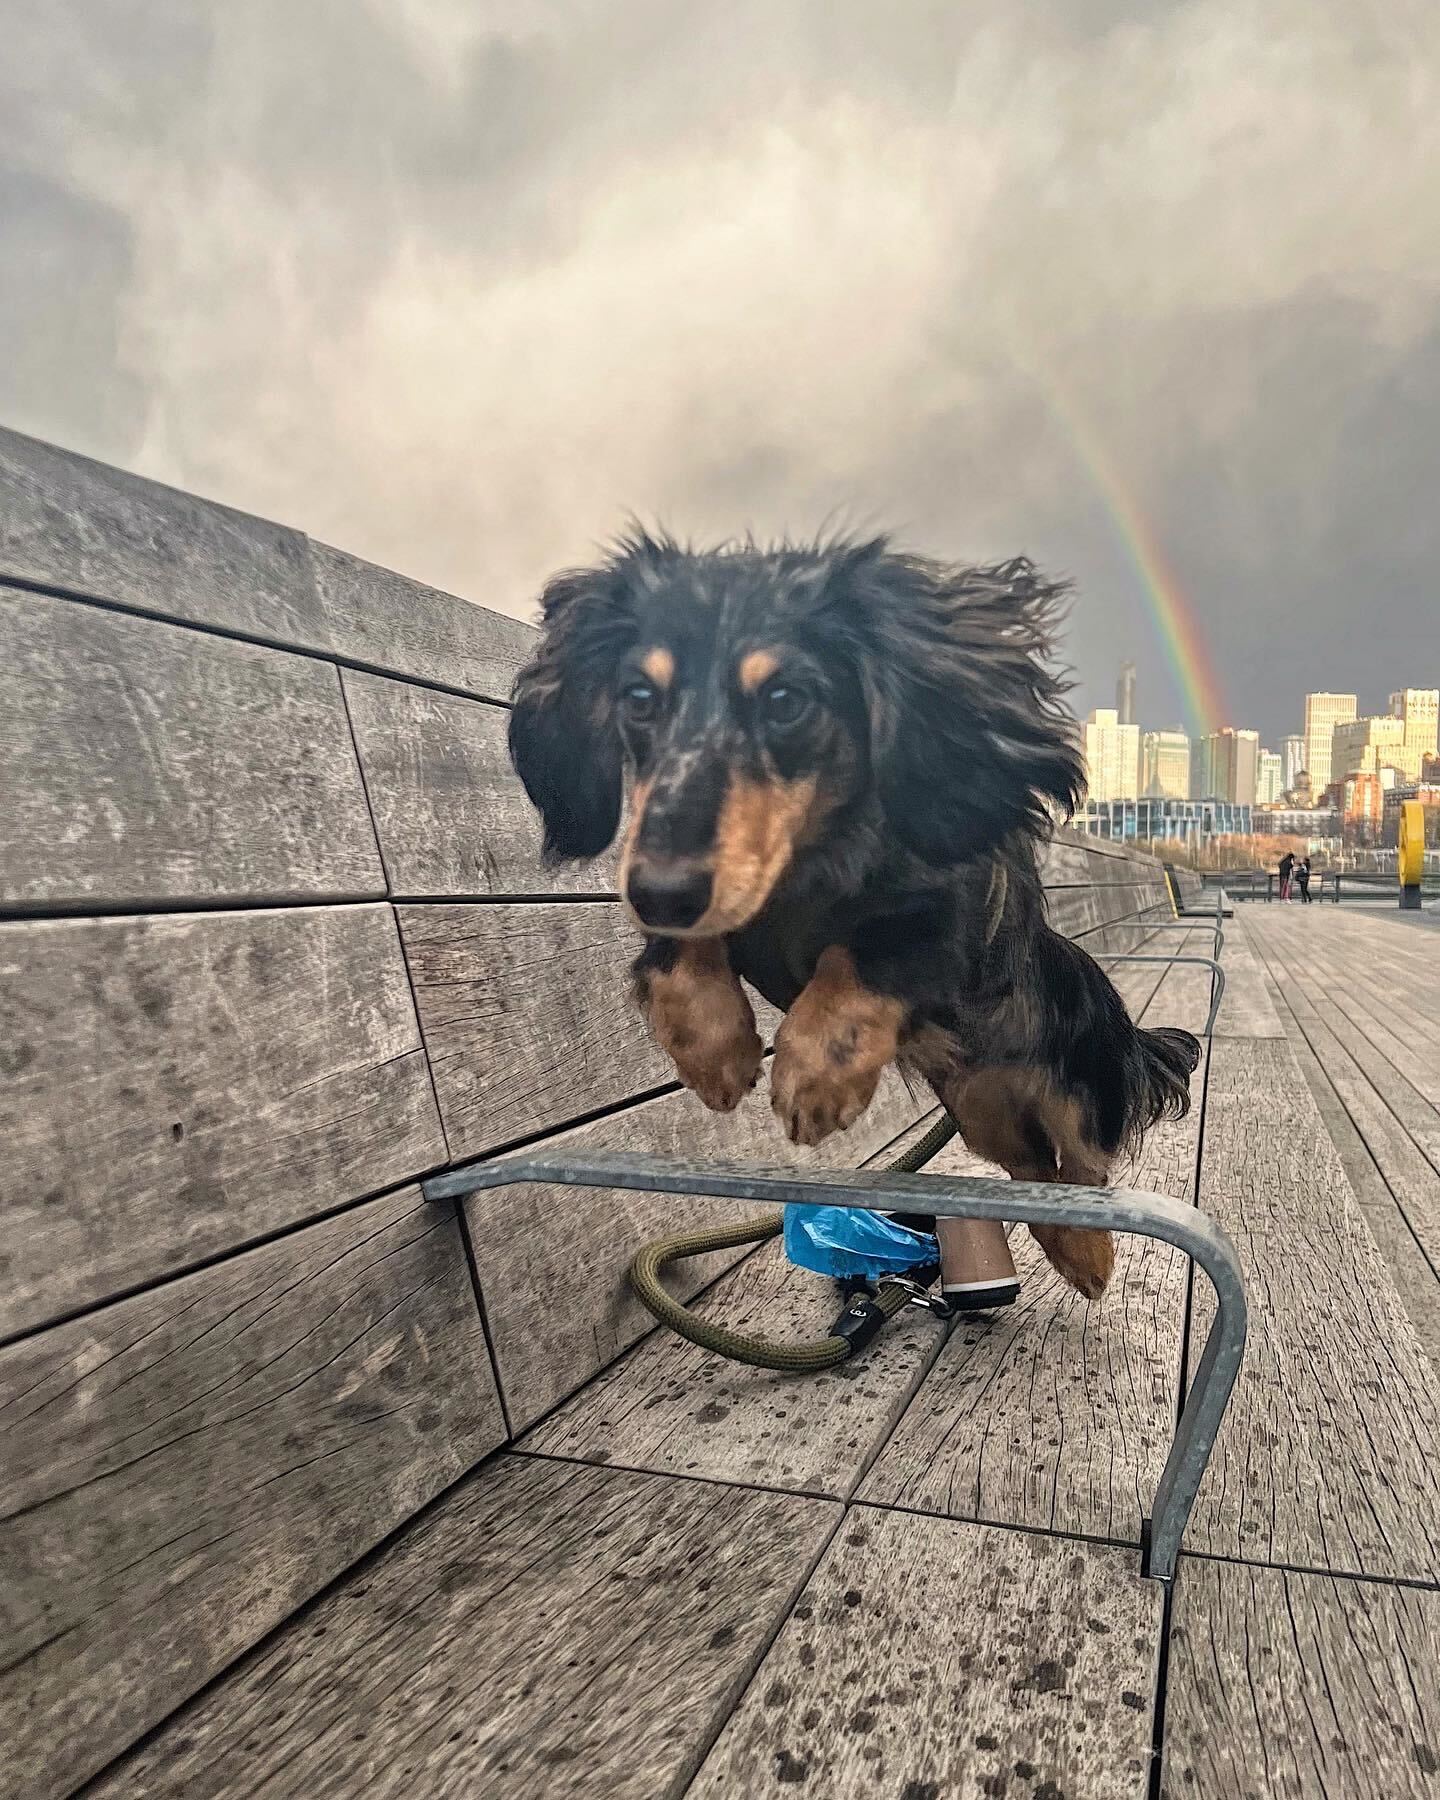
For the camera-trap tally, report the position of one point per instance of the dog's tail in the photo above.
(1171, 1056)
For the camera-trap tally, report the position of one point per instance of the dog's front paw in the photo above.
(721, 1069)
(701, 1019)
(1086, 1259)
(819, 1088)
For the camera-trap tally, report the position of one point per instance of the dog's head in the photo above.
(761, 699)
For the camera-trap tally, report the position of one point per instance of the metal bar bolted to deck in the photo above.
(1181, 925)
(954, 1197)
(1217, 974)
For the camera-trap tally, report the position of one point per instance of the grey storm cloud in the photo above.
(459, 283)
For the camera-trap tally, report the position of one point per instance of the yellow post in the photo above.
(1410, 862)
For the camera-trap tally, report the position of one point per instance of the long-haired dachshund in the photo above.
(840, 762)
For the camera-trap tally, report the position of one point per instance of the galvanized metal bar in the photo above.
(1217, 974)
(952, 1197)
(1199, 925)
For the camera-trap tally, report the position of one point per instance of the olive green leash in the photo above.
(863, 1317)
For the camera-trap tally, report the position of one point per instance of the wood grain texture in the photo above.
(1417, 1281)
(173, 1086)
(547, 1630)
(142, 763)
(1074, 911)
(183, 1468)
(928, 1658)
(1301, 1687)
(527, 1015)
(671, 1407)
(78, 526)
(67, 522)
(452, 816)
(372, 615)
(552, 1260)
(1327, 1458)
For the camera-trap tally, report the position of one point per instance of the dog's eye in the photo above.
(641, 702)
(783, 706)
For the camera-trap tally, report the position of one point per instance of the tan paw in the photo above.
(720, 1068)
(701, 1019)
(1086, 1259)
(816, 1094)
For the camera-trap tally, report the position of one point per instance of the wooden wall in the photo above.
(274, 943)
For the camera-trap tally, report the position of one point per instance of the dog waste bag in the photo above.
(845, 1242)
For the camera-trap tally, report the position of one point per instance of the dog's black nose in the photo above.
(668, 897)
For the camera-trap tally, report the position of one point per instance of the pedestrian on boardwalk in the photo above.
(1302, 875)
(1287, 863)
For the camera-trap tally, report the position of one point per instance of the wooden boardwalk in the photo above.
(918, 1577)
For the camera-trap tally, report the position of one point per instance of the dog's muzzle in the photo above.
(669, 896)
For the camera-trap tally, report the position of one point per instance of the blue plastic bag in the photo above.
(846, 1242)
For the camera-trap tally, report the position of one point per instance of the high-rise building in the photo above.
(1165, 765)
(1292, 753)
(1112, 756)
(1125, 694)
(1270, 783)
(1419, 711)
(1323, 712)
(1365, 746)
(1226, 766)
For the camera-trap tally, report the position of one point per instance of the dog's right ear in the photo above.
(564, 742)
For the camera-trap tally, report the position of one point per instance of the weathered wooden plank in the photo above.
(173, 1086)
(1301, 1687)
(143, 763)
(552, 1260)
(1057, 1413)
(451, 815)
(78, 526)
(1416, 1279)
(1327, 1456)
(527, 1015)
(67, 522)
(185, 1467)
(1247, 1011)
(930, 1658)
(1077, 910)
(1412, 1178)
(546, 1630)
(1063, 862)
(371, 615)
(671, 1407)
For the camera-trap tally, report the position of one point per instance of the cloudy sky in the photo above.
(457, 284)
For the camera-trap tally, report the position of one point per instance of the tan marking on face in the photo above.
(659, 665)
(756, 668)
(760, 825)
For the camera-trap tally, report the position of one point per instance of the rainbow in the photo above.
(1170, 608)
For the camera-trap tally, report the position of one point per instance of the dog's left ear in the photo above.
(971, 740)
(563, 738)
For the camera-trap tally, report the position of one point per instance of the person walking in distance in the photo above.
(1302, 875)
(1287, 864)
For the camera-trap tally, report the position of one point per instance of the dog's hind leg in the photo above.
(1012, 1117)
(699, 1016)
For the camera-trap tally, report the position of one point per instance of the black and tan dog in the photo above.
(840, 762)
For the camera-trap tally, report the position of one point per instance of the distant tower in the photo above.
(1125, 694)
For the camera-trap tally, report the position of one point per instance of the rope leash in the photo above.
(864, 1315)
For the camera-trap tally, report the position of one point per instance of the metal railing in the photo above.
(954, 1197)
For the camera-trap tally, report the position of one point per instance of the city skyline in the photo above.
(1339, 749)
